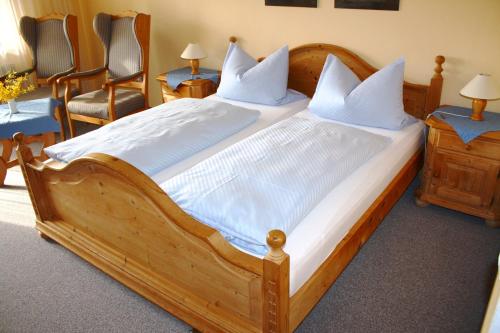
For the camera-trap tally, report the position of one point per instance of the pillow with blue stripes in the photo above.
(375, 102)
(245, 79)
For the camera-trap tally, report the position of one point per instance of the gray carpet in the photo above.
(424, 270)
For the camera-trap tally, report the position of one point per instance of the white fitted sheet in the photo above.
(312, 241)
(315, 238)
(269, 115)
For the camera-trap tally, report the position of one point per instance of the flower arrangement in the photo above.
(13, 86)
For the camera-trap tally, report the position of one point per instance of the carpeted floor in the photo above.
(424, 270)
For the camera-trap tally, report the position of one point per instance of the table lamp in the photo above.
(481, 89)
(194, 53)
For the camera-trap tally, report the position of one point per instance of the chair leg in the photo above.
(71, 126)
(59, 116)
(5, 158)
(3, 171)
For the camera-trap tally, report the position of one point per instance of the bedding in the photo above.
(269, 115)
(245, 79)
(375, 102)
(317, 235)
(161, 136)
(261, 183)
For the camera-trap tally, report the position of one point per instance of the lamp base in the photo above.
(478, 106)
(195, 65)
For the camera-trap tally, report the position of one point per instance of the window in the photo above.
(13, 52)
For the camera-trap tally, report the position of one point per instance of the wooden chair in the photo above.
(53, 41)
(125, 39)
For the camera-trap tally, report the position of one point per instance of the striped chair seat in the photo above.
(45, 92)
(95, 103)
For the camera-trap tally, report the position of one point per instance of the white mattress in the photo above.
(312, 241)
(269, 115)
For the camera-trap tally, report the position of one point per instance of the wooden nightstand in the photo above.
(464, 177)
(197, 88)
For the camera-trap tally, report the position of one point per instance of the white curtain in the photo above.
(14, 53)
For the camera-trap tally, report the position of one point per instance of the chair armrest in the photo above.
(54, 77)
(82, 75)
(123, 79)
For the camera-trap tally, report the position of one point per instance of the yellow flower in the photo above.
(13, 86)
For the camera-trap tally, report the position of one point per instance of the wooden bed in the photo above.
(115, 217)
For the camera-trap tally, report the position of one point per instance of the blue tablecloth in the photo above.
(34, 117)
(467, 129)
(175, 77)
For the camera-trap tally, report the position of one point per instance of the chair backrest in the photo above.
(53, 40)
(125, 39)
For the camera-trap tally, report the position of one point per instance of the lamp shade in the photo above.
(481, 87)
(193, 51)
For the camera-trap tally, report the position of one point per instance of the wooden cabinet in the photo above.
(464, 177)
(198, 88)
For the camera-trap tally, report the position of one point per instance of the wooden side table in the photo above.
(35, 119)
(197, 88)
(47, 139)
(464, 177)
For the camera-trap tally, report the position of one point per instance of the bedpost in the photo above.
(35, 190)
(434, 93)
(276, 285)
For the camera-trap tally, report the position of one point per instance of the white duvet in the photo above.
(157, 138)
(272, 179)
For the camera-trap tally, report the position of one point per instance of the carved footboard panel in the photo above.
(118, 219)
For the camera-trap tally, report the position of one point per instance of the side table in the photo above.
(462, 176)
(35, 120)
(180, 83)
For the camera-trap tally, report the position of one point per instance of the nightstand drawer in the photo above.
(464, 179)
(479, 147)
(197, 88)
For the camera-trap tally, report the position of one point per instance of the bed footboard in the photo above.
(115, 217)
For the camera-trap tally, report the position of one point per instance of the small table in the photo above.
(180, 83)
(35, 120)
(458, 175)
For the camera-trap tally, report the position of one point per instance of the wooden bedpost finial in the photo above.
(276, 239)
(233, 39)
(276, 284)
(439, 65)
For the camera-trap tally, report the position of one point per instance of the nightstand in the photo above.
(460, 176)
(187, 85)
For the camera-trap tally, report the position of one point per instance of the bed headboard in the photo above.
(306, 64)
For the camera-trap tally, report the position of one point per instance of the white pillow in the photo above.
(375, 102)
(245, 79)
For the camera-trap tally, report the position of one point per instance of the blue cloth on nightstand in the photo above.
(34, 117)
(467, 129)
(175, 77)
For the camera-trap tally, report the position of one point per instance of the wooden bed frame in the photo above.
(115, 217)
